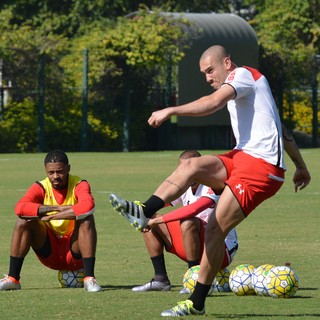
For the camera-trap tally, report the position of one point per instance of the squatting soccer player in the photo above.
(55, 218)
(181, 232)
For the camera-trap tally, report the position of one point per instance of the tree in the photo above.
(139, 44)
(289, 34)
(113, 48)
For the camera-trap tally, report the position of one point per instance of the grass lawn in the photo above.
(284, 228)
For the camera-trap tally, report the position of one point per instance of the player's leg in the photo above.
(190, 229)
(83, 246)
(227, 215)
(208, 170)
(26, 234)
(155, 240)
(84, 237)
(192, 232)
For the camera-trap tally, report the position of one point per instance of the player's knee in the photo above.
(213, 230)
(188, 165)
(189, 225)
(86, 227)
(86, 222)
(23, 224)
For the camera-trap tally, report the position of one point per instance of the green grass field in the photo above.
(284, 228)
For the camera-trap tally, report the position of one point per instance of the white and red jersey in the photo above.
(190, 199)
(191, 196)
(257, 127)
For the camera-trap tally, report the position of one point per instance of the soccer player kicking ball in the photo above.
(181, 232)
(246, 176)
(55, 218)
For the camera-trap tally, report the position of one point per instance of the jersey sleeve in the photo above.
(29, 204)
(190, 210)
(85, 204)
(176, 202)
(242, 81)
(208, 192)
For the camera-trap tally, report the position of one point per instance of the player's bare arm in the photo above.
(47, 213)
(43, 210)
(301, 177)
(201, 107)
(60, 212)
(183, 212)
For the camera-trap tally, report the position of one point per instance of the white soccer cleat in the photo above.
(185, 290)
(9, 283)
(91, 285)
(153, 285)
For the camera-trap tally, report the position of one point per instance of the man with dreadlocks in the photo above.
(55, 219)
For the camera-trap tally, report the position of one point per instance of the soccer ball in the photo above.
(282, 282)
(221, 281)
(258, 279)
(71, 278)
(190, 278)
(240, 280)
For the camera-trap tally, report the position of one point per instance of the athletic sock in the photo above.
(88, 266)
(159, 265)
(152, 205)
(15, 267)
(199, 295)
(192, 263)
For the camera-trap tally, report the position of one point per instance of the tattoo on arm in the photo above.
(43, 210)
(286, 134)
(293, 150)
(174, 184)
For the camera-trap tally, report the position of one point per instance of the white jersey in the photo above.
(257, 127)
(203, 191)
(189, 197)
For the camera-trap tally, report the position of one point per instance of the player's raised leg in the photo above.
(131, 210)
(208, 170)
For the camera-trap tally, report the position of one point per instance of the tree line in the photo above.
(47, 81)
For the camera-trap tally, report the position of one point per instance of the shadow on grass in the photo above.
(248, 316)
(121, 287)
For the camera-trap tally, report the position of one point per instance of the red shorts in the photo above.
(177, 247)
(60, 257)
(252, 180)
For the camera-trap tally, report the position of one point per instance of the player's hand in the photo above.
(158, 117)
(301, 178)
(151, 223)
(154, 221)
(46, 218)
(146, 229)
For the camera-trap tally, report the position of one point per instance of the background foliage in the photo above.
(289, 33)
(130, 62)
